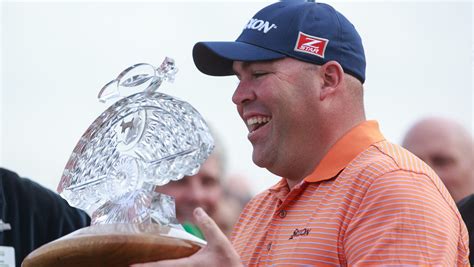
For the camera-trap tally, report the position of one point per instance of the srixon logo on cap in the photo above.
(311, 44)
(260, 25)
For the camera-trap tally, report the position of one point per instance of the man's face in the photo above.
(277, 100)
(441, 148)
(201, 190)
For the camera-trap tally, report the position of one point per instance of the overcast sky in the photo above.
(56, 56)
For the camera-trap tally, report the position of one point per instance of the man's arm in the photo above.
(36, 214)
(406, 218)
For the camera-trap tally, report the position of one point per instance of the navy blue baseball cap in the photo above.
(307, 31)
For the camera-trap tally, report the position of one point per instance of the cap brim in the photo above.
(216, 58)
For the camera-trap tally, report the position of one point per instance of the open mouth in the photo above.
(256, 122)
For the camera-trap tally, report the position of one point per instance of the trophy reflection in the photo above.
(145, 139)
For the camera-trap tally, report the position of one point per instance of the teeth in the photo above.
(257, 120)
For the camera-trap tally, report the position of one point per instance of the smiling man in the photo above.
(347, 196)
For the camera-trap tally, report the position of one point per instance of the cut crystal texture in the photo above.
(143, 140)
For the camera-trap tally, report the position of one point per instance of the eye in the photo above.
(181, 182)
(258, 74)
(442, 161)
(209, 181)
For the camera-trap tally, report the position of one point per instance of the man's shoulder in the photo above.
(385, 160)
(466, 208)
(23, 194)
(385, 157)
(7, 176)
(467, 202)
(27, 190)
(385, 163)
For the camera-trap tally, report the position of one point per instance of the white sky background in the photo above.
(56, 56)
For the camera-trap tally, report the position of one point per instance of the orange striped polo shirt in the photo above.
(368, 202)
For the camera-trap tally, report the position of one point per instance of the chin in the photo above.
(260, 161)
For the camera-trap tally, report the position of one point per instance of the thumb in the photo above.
(218, 249)
(209, 228)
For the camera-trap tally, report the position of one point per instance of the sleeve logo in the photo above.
(311, 44)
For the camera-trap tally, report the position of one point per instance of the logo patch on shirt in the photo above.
(311, 44)
(300, 232)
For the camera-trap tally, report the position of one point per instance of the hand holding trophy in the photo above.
(145, 139)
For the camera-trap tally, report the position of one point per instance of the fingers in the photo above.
(219, 250)
(209, 228)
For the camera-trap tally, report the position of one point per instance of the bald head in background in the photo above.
(448, 148)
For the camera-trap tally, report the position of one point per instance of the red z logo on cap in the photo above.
(311, 44)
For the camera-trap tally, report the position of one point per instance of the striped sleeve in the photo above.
(403, 220)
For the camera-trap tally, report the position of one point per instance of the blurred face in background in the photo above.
(445, 149)
(201, 190)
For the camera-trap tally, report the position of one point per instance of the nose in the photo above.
(197, 193)
(243, 93)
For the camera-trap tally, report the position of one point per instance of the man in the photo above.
(203, 189)
(33, 215)
(449, 149)
(236, 194)
(347, 196)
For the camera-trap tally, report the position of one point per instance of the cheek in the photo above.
(213, 195)
(239, 110)
(176, 191)
(297, 115)
(294, 99)
(449, 174)
(466, 168)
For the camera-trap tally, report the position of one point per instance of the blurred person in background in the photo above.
(237, 186)
(203, 189)
(236, 194)
(227, 213)
(448, 148)
(33, 215)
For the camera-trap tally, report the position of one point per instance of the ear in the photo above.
(332, 76)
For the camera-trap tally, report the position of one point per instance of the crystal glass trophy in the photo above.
(143, 140)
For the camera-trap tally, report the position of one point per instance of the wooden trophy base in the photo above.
(115, 245)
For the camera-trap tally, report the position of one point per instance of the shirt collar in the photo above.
(345, 150)
(280, 190)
